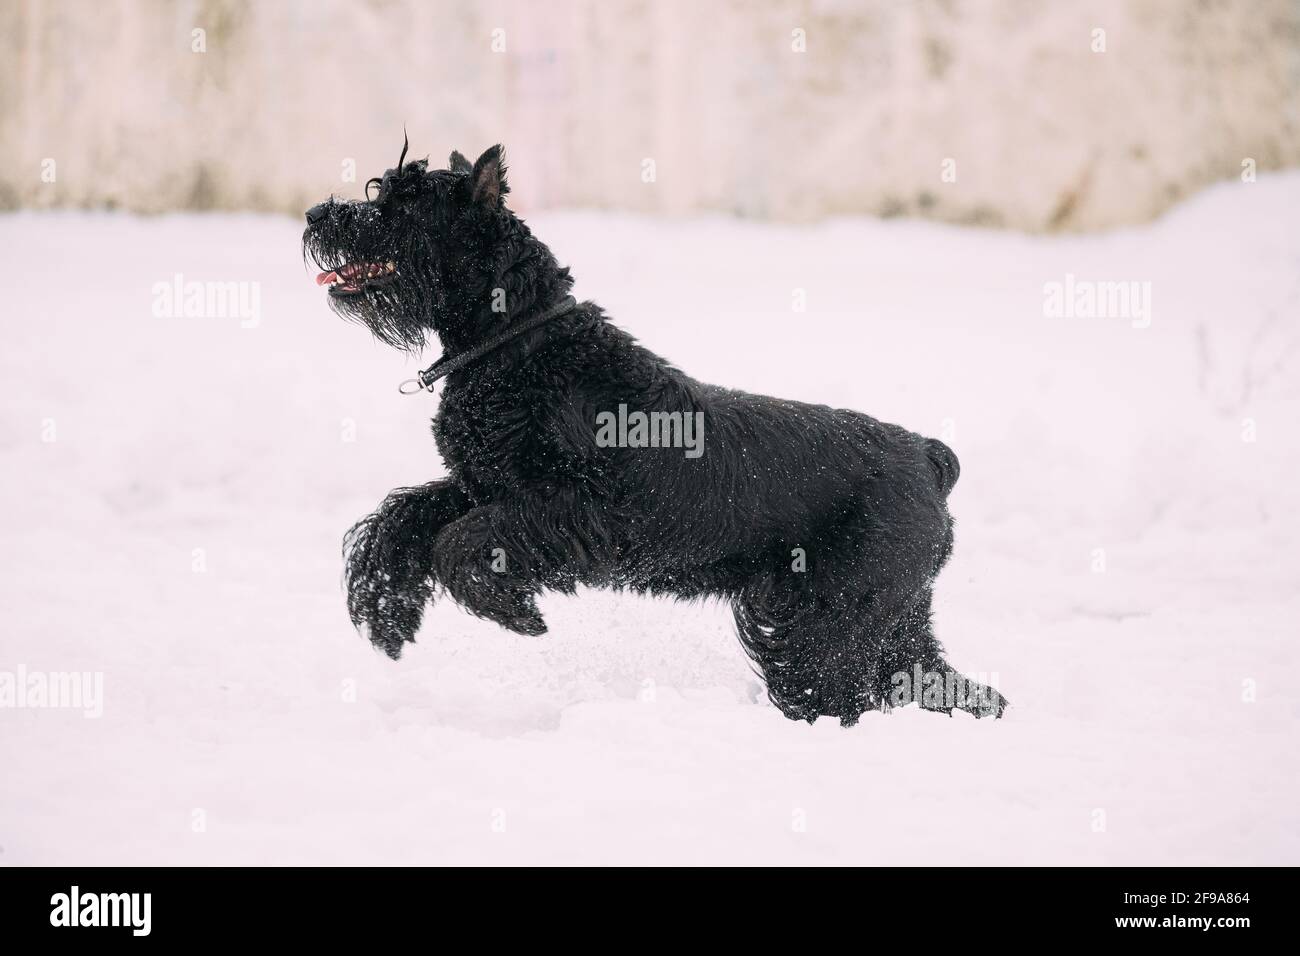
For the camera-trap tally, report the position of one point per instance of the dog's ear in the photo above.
(458, 163)
(489, 177)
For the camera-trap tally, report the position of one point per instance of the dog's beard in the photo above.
(387, 312)
(378, 288)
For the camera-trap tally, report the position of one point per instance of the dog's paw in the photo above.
(387, 641)
(530, 625)
(386, 571)
(386, 617)
(979, 701)
(513, 610)
(987, 702)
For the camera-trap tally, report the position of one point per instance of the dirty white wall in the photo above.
(1006, 112)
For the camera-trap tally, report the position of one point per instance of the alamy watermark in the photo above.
(130, 910)
(1091, 299)
(22, 689)
(624, 429)
(179, 299)
(943, 689)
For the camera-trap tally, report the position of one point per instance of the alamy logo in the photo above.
(946, 689)
(179, 299)
(1088, 299)
(53, 690)
(626, 429)
(102, 909)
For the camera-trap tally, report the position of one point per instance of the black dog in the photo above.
(578, 456)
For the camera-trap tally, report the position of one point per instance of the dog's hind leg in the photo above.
(388, 561)
(816, 656)
(829, 640)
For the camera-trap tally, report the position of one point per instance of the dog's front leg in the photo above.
(388, 561)
(495, 559)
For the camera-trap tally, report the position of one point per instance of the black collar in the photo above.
(454, 363)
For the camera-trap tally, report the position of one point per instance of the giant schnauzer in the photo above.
(577, 456)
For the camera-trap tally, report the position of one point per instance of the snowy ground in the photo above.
(174, 492)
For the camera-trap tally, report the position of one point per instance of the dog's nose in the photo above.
(317, 212)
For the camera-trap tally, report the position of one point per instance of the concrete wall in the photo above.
(1002, 112)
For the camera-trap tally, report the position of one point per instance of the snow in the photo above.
(1155, 704)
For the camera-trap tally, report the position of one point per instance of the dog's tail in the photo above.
(947, 469)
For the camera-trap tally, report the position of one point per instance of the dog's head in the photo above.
(419, 251)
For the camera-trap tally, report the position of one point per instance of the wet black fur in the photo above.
(863, 501)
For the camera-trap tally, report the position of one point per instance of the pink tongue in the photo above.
(326, 277)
